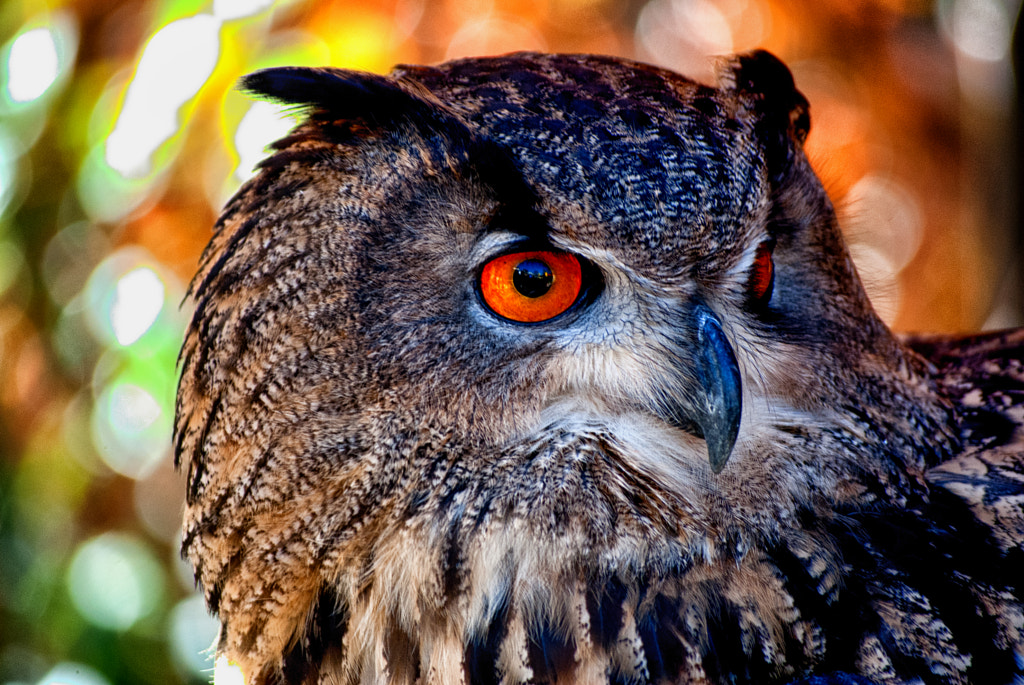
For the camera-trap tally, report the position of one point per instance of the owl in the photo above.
(555, 368)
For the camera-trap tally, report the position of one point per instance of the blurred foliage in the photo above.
(121, 136)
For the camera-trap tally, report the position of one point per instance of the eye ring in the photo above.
(531, 286)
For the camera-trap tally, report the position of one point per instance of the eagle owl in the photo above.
(555, 368)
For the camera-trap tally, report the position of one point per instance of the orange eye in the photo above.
(762, 273)
(531, 286)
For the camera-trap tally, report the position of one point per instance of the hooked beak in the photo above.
(719, 407)
(716, 403)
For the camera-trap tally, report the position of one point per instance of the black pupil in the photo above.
(532, 278)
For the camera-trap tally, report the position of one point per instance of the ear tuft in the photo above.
(782, 111)
(764, 76)
(339, 94)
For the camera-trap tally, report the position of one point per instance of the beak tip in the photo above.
(718, 456)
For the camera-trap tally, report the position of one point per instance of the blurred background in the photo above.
(121, 136)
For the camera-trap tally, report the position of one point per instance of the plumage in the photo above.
(717, 465)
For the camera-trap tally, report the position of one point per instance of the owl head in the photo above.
(522, 317)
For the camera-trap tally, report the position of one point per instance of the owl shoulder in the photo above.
(983, 376)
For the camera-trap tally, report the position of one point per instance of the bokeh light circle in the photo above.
(115, 581)
(192, 635)
(130, 429)
(72, 673)
(125, 295)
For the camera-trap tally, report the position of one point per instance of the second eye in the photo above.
(530, 287)
(762, 274)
